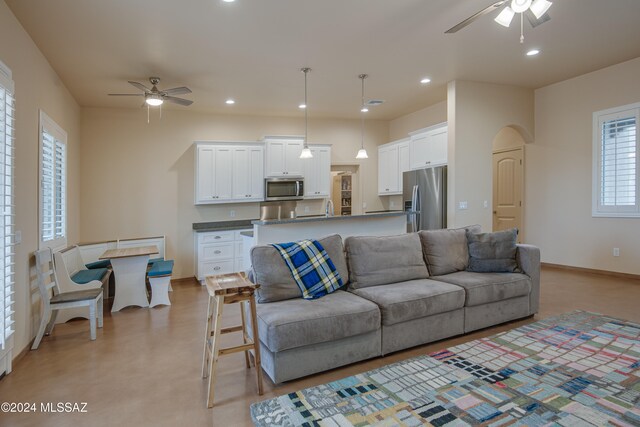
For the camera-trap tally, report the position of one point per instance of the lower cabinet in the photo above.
(218, 252)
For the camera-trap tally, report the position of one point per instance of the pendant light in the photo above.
(306, 152)
(362, 153)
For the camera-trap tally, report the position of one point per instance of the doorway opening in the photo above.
(346, 193)
(508, 181)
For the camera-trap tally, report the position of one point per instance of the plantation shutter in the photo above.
(618, 190)
(7, 257)
(52, 184)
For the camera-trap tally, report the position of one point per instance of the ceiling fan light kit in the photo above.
(540, 7)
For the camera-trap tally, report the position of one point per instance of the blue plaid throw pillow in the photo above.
(311, 267)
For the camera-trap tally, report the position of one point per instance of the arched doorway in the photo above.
(508, 180)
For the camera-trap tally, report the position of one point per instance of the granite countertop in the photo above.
(222, 225)
(330, 218)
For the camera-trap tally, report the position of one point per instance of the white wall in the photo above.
(558, 173)
(477, 112)
(36, 87)
(138, 178)
(400, 127)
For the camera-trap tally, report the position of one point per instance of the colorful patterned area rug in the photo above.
(575, 369)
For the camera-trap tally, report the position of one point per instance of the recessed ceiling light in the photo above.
(302, 106)
(364, 110)
(230, 101)
(533, 52)
(228, 1)
(425, 81)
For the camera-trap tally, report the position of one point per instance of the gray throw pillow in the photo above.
(493, 252)
(446, 251)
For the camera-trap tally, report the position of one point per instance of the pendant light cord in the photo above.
(306, 110)
(362, 77)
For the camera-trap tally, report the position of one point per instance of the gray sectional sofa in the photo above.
(400, 292)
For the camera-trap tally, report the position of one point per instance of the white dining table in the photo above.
(130, 270)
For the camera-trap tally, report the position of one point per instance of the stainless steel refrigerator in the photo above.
(425, 192)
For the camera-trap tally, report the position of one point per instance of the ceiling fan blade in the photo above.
(536, 21)
(126, 94)
(185, 102)
(183, 90)
(140, 86)
(472, 18)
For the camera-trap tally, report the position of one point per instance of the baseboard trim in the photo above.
(21, 355)
(592, 271)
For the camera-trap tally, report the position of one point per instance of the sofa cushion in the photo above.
(293, 323)
(382, 260)
(85, 276)
(493, 252)
(484, 288)
(413, 299)
(274, 277)
(446, 251)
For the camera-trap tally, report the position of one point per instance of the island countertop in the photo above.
(317, 218)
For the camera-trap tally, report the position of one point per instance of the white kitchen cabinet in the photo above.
(282, 157)
(218, 252)
(388, 170)
(248, 173)
(404, 160)
(229, 173)
(213, 174)
(429, 147)
(317, 172)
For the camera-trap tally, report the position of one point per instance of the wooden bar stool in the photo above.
(229, 289)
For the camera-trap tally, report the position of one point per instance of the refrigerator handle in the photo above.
(414, 207)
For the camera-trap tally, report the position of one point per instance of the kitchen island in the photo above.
(314, 227)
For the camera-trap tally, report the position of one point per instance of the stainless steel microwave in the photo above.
(289, 188)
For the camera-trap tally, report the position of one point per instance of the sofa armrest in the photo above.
(528, 258)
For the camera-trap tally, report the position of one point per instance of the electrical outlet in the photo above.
(463, 205)
(392, 204)
(306, 209)
(364, 205)
(232, 213)
(485, 204)
(616, 251)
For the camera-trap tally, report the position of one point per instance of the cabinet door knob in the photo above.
(217, 237)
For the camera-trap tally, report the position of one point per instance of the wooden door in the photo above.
(507, 190)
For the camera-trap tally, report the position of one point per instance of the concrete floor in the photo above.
(145, 366)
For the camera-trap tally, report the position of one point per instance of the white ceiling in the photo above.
(252, 50)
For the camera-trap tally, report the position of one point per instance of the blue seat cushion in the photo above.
(85, 276)
(103, 263)
(161, 268)
(154, 260)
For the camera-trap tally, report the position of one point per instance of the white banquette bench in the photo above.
(78, 267)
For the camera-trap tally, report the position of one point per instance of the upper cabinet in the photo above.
(317, 172)
(283, 156)
(429, 147)
(229, 173)
(388, 170)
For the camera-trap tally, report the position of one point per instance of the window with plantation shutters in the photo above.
(53, 175)
(7, 257)
(616, 172)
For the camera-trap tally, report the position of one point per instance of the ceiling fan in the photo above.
(534, 10)
(155, 96)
